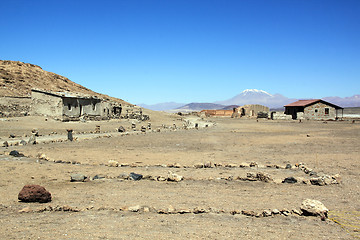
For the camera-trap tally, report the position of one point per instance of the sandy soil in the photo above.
(329, 148)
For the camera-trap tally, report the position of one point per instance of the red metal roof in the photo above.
(304, 103)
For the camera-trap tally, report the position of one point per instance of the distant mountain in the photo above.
(254, 96)
(201, 106)
(249, 96)
(162, 106)
(353, 101)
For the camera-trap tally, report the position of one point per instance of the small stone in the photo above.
(12, 136)
(135, 176)
(98, 176)
(23, 142)
(15, 153)
(248, 213)
(290, 180)
(231, 165)
(160, 179)
(34, 193)
(171, 210)
(266, 213)
(25, 210)
(198, 210)
(275, 211)
(121, 129)
(135, 208)
(173, 177)
(317, 181)
(124, 176)
(113, 163)
(244, 165)
(296, 211)
(253, 164)
(177, 165)
(198, 165)
(288, 166)
(5, 144)
(208, 165)
(314, 208)
(183, 211)
(77, 177)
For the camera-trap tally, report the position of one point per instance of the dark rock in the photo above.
(98, 176)
(135, 176)
(289, 180)
(78, 177)
(5, 144)
(313, 174)
(34, 193)
(23, 142)
(121, 129)
(317, 181)
(288, 166)
(12, 136)
(15, 153)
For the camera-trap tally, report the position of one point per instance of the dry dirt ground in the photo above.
(330, 148)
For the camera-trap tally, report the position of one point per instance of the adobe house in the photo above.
(250, 110)
(66, 106)
(313, 109)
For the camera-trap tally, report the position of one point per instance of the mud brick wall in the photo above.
(317, 112)
(46, 105)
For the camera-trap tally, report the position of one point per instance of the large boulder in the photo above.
(34, 193)
(312, 207)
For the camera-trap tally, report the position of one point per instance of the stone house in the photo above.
(250, 110)
(66, 106)
(314, 109)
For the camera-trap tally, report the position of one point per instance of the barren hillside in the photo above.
(18, 78)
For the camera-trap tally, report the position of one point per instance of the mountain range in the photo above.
(249, 96)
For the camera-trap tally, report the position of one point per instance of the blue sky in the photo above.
(188, 50)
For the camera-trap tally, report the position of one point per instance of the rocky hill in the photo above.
(18, 78)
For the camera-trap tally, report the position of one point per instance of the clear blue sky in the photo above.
(187, 50)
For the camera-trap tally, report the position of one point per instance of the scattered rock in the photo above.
(198, 165)
(173, 177)
(77, 177)
(231, 165)
(99, 176)
(23, 142)
(312, 207)
(135, 208)
(288, 166)
(5, 144)
(275, 211)
(15, 153)
(266, 213)
(113, 163)
(198, 210)
(12, 136)
(121, 129)
(123, 176)
(25, 210)
(244, 165)
(290, 180)
(34, 193)
(208, 165)
(32, 139)
(248, 213)
(296, 211)
(135, 176)
(253, 164)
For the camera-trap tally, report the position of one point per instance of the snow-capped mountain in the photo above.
(254, 96)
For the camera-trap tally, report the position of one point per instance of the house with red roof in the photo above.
(314, 109)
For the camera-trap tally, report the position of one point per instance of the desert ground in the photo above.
(208, 203)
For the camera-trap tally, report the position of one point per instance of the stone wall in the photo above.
(218, 113)
(46, 105)
(317, 111)
(280, 116)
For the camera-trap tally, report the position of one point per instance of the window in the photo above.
(316, 110)
(326, 111)
(69, 106)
